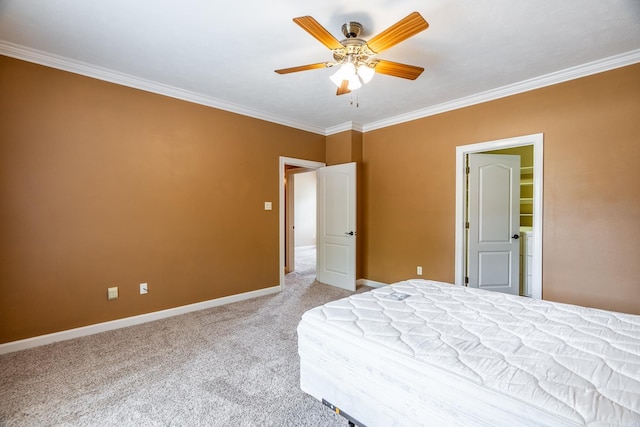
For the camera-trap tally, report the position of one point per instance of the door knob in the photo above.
(350, 233)
(515, 236)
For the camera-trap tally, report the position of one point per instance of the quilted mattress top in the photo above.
(579, 363)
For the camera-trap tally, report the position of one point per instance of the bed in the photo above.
(422, 352)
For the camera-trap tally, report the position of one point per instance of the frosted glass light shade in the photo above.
(354, 83)
(366, 73)
(336, 78)
(346, 72)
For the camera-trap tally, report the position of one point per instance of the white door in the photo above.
(336, 241)
(494, 222)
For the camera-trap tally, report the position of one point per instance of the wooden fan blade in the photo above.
(312, 27)
(409, 26)
(396, 69)
(302, 68)
(344, 88)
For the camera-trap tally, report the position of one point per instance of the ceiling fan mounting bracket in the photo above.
(351, 30)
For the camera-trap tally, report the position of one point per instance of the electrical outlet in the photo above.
(143, 288)
(112, 293)
(419, 270)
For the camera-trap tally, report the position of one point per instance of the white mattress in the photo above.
(449, 355)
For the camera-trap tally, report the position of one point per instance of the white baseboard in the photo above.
(371, 283)
(130, 321)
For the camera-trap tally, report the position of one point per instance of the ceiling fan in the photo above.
(356, 57)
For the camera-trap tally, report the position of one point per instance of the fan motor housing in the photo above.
(351, 30)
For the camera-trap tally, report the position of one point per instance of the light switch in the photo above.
(267, 206)
(112, 293)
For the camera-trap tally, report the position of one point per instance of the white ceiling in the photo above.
(223, 53)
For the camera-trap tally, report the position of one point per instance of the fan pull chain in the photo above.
(357, 98)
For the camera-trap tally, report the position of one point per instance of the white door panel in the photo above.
(494, 212)
(494, 269)
(336, 257)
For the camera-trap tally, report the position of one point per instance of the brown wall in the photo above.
(338, 148)
(591, 200)
(344, 147)
(103, 185)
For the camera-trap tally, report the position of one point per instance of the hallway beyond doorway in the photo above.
(305, 266)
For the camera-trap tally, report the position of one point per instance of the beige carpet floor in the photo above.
(231, 365)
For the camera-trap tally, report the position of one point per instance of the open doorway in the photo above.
(531, 219)
(290, 167)
(300, 220)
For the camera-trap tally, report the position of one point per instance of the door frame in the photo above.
(536, 140)
(290, 161)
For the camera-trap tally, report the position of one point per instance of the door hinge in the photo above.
(466, 225)
(468, 170)
(466, 280)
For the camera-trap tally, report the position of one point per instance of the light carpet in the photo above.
(231, 365)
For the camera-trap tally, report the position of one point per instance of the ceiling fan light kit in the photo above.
(355, 76)
(355, 57)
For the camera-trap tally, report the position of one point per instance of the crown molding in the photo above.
(572, 73)
(339, 128)
(77, 67)
(344, 127)
(358, 127)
